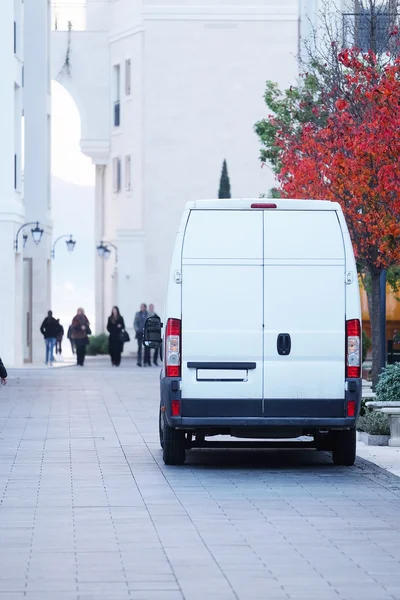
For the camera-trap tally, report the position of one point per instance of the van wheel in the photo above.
(344, 447)
(161, 428)
(174, 445)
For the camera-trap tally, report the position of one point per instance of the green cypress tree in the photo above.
(224, 185)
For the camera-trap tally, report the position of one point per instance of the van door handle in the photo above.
(284, 344)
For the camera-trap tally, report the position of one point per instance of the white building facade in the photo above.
(24, 291)
(12, 210)
(166, 92)
(37, 173)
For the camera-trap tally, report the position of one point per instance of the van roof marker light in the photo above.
(263, 205)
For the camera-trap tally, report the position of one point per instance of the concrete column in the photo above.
(99, 262)
(38, 159)
(11, 208)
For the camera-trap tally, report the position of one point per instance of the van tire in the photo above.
(344, 447)
(160, 429)
(174, 445)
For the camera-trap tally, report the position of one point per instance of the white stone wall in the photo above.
(11, 206)
(37, 108)
(205, 74)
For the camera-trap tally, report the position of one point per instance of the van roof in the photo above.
(246, 203)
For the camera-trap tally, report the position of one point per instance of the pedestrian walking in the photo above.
(140, 319)
(116, 329)
(69, 336)
(49, 330)
(3, 373)
(152, 313)
(80, 335)
(59, 339)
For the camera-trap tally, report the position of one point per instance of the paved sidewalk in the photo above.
(89, 511)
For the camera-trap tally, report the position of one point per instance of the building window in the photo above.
(15, 172)
(15, 37)
(128, 77)
(368, 29)
(116, 95)
(128, 172)
(116, 174)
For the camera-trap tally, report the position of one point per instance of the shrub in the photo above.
(374, 423)
(388, 387)
(366, 346)
(363, 407)
(98, 344)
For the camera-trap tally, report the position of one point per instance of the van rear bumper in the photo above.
(254, 422)
(301, 413)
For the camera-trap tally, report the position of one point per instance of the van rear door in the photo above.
(304, 313)
(222, 313)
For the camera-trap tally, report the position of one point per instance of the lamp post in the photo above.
(104, 251)
(69, 242)
(37, 233)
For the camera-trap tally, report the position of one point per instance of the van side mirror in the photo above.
(152, 336)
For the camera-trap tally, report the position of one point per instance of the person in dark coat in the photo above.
(60, 335)
(69, 336)
(49, 330)
(3, 373)
(152, 313)
(80, 335)
(140, 320)
(115, 327)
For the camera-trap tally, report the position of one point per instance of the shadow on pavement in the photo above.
(260, 459)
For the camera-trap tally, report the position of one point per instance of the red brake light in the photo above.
(263, 205)
(176, 408)
(353, 349)
(173, 348)
(351, 408)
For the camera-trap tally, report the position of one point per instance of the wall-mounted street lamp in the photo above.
(69, 242)
(104, 251)
(37, 233)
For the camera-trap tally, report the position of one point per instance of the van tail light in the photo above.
(351, 408)
(176, 408)
(353, 342)
(173, 348)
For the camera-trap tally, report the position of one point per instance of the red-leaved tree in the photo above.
(354, 159)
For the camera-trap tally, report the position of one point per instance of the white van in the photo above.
(262, 328)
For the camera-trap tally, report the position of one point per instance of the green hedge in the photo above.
(98, 344)
(388, 387)
(374, 423)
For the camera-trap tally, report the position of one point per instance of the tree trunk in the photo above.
(375, 313)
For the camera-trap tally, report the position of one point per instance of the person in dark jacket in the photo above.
(80, 335)
(115, 327)
(69, 336)
(49, 329)
(140, 320)
(152, 313)
(60, 335)
(3, 373)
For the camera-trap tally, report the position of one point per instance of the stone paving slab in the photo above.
(89, 511)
